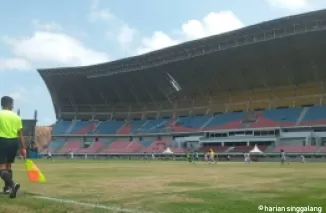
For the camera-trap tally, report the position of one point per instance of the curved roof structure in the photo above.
(270, 54)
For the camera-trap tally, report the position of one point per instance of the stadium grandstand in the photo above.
(261, 85)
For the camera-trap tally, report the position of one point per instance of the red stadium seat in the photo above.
(123, 147)
(93, 148)
(157, 146)
(71, 146)
(126, 129)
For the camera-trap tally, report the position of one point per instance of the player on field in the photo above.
(10, 136)
(212, 156)
(49, 155)
(188, 157)
(193, 157)
(207, 156)
(283, 156)
(71, 153)
(196, 156)
(246, 157)
(145, 158)
(303, 159)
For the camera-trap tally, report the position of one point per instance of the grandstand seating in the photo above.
(55, 145)
(125, 129)
(61, 127)
(315, 116)
(184, 124)
(72, 146)
(270, 118)
(157, 146)
(225, 121)
(146, 143)
(154, 126)
(82, 127)
(283, 115)
(109, 127)
(136, 125)
(123, 147)
(93, 148)
(277, 117)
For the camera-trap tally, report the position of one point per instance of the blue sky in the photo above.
(41, 34)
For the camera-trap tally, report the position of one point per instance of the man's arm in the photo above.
(21, 139)
(20, 133)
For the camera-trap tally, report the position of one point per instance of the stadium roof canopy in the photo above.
(286, 51)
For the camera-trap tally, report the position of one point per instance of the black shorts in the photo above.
(8, 150)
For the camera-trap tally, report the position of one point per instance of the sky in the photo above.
(44, 34)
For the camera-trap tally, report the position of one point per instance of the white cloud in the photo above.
(289, 4)
(158, 40)
(99, 14)
(126, 35)
(58, 48)
(213, 23)
(51, 26)
(118, 30)
(18, 93)
(8, 64)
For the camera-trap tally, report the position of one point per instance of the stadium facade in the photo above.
(261, 85)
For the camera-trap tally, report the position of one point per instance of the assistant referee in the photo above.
(10, 136)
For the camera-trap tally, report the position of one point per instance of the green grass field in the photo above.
(169, 187)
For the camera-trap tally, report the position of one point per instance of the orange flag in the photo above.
(33, 173)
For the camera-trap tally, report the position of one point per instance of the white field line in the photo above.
(89, 205)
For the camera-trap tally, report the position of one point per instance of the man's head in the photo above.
(7, 102)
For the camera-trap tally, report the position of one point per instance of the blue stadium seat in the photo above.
(79, 125)
(56, 144)
(154, 126)
(315, 113)
(109, 127)
(61, 127)
(193, 122)
(135, 125)
(222, 119)
(283, 115)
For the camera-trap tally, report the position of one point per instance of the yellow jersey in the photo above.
(10, 124)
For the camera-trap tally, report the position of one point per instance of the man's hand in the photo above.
(23, 152)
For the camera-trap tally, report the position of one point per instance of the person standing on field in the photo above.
(10, 135)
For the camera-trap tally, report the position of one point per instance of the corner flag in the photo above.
(33, 173)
